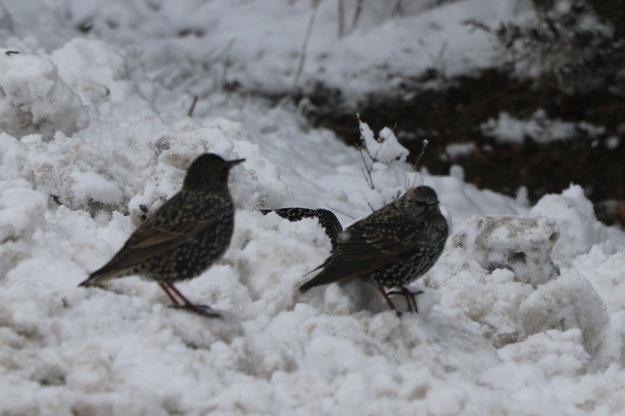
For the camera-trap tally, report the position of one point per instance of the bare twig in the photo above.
(226, 63)
(477, 25)
(340, 18)
(357, 13)
(421, 153)
(419, 157)
(302, 56)
(398, 9)
(367, 169)
(192, 108)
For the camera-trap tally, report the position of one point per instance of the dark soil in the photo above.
(451, 111)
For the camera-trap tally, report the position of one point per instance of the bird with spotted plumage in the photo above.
(390, 248)
(184, 237)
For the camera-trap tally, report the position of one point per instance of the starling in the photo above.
(183, 237)
(391, 247)
(326, 218)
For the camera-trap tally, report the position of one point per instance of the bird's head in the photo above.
(207, 171)
(421, 197)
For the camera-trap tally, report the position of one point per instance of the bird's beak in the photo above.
(233, 163)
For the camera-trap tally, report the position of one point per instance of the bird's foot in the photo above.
(389, 302)
(409, 296)
(202, 310)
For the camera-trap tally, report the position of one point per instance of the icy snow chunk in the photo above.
(539, 127)
(520, 244)
(34, 99)
(604, 268)
(20, 206)
(93, 69)
(253, 184)
(576, 219)
(385, 148)
(88, 186)
(567, 302)
(455, 150)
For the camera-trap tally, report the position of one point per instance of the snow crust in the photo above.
(539, 127)
(34, 99)
(523, 314)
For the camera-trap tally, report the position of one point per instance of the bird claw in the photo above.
(399, 292)
(410, 297)
(202, 310)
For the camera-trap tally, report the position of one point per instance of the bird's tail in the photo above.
(325, 277)
(99, 277)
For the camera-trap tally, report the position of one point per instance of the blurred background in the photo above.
(527, 96)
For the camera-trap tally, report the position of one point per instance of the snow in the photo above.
(455, 150)
(540, 128)
(34, 99)
(576, 221)
(93, 127)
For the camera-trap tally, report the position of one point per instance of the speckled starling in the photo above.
(326, 218)
(390, 248)
(183, 237)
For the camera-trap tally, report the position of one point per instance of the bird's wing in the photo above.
(154, 238)
(366, 246)
(150, 241)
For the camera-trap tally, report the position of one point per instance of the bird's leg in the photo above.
(172, 297)
(388, 301)
(410, 297)
(199, 309)
(409, 301)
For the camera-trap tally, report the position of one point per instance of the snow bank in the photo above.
(520, 244)
(498, 333)
(34, 99)
(539, 127)
(490, 266)
(565, 303)
(95, 70)
(576, 220)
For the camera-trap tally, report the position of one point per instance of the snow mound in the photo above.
(507, 129)
(491, 264)
(520, 244)
(579, 228)
(34, 99)
(94, 69)
(567, 302)
(86, 175)
(385, 148)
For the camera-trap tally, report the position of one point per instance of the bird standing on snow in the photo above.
(183, 237)
(391, 247)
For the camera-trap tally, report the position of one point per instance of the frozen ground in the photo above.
(524, 314)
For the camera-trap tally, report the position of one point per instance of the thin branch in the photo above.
(302, 56)
(421, 153)
(226, 63)
(369, 178)
(398, 9)
(357, 14)
(192, 108)
(419, 157)
(340, 18)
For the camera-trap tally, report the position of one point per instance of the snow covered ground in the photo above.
(524, 314)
